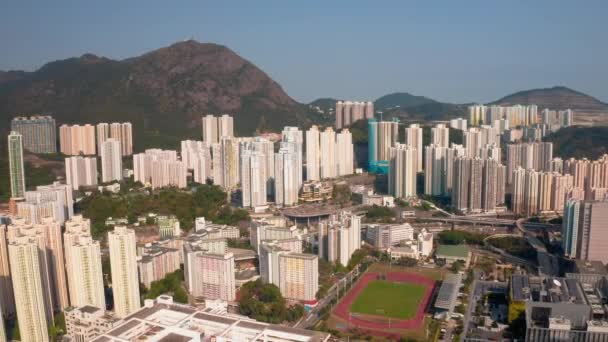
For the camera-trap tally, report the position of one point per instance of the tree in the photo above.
(407, 262)
(265, 303)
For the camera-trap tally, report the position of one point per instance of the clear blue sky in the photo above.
(456, 51)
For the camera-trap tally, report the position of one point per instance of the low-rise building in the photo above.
(163, 320)
(87, 322)
(452, 253)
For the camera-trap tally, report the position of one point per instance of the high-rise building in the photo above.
(81, 171)
(344, 154)
(440, 135)
(348, 112)
(103, 133)
(286, 176)
(413, 138)
(435, 170)
(38, 131)
(584, 230)
(77, 139)
(402, 171)
(536, 156)
(294, 137)
(123, 263)
(452, 153)
(15, 161)
(157, 262)
(160, 168)
(84, 267)
(111, 161)
(299, 276)
(340, 237)
(7, 298)
(253, 178)
(328, 155)
(34, 313)
(216, 127)
(209, 273)
(313, 154)
(123, 132)
(381, 137)
(84, 273)
(47, 201)
(459, 123)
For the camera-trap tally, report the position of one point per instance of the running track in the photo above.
(343, 307)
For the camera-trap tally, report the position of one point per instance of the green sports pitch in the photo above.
(389, 299)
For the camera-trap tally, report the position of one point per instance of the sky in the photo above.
(453, 51)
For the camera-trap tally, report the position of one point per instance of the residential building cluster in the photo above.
(584, 230)
(348, 112)
(339, 237)
(159, 168)
(505, 117)
(88, 139)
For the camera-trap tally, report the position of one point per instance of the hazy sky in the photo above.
(458, 51)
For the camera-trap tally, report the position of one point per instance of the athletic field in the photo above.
(389, 299)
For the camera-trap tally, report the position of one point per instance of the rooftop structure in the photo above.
(163, 320)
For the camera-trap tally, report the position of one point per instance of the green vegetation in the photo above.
(58, 328)
(380, 214)
(358, 256)
(341, 194)
(579, 142)
(264, 302)
(171, 284)
(239, 243)
(458, 237)
(389, 299)
(515, 246)
(209, 201)
(457, 266)
(406, 262)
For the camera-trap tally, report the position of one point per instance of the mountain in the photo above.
(555, 98)
(165, 91)
(402, 100)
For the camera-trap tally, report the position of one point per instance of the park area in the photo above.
(389, 299)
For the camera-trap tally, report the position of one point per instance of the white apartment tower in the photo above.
(402, 171)
(111, 161)
(33, 313)
(312, 154)
(440, 135)
(286, 176)
(344, 153)
(253, 179)
(123, 262)
(328, 157)
(80, 171)
(413, 138)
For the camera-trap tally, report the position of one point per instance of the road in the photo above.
(338, 289)
(493, 222)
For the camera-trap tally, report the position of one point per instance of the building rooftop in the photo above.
(453, 251)
(448, 292)
(590, 267)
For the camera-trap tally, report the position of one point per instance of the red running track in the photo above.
(342, 309)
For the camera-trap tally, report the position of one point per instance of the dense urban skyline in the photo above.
(425, 49)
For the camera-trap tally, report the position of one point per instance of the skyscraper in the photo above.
(81, 171)
(435, 170)
(77, 139)
(123, 262)
(402, 171)
(225, 126)
(440, 135)
(7, 298)
(16, 170)
(38, 131)
(344, 154)
(312, 154)
(286, 176)
(253, 178)
(27, 267)
(328, 156)
(584, 230)
(123, 132)
(209, 123)
(111, 161)
(413, 138)
(83, 264)
(294, 137)
(103, 133)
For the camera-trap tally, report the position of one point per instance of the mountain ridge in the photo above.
(164, 90)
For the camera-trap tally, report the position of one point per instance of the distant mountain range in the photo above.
(555, 98)
(166, 91)
(412, 107)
